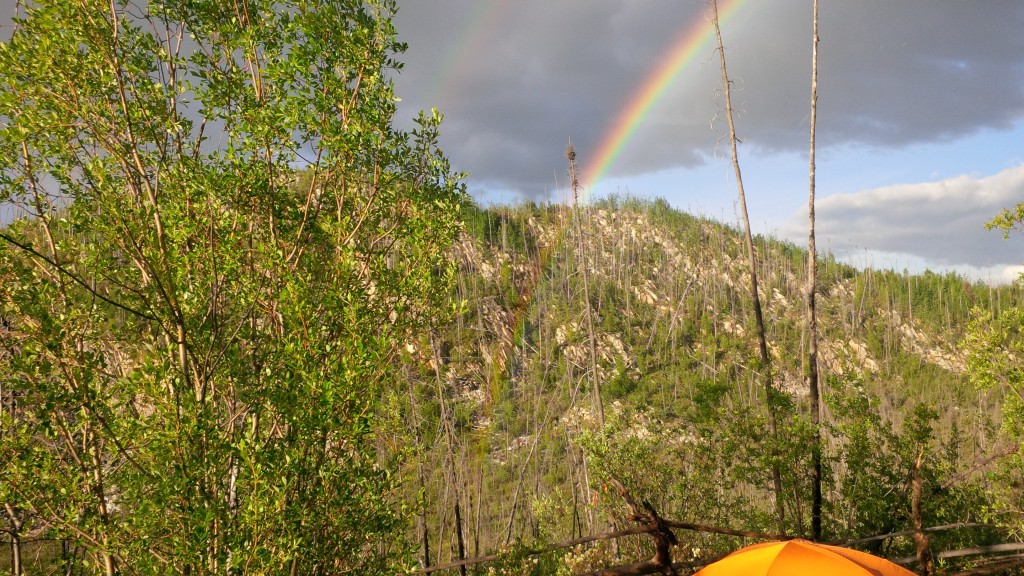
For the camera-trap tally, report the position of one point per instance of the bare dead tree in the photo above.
(449, 436)
(812, 316)
(766, 365)
(458, 532)
(570, 154)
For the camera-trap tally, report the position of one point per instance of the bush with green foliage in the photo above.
(199, 332)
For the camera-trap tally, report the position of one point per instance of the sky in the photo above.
(920, 132)
(920, 136)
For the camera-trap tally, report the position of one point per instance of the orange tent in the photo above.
(801, 558)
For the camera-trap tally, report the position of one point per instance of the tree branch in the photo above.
(76, 279)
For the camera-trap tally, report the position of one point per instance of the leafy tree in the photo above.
(994, 345)
(1008, 220)
(228, 241)
(995, 342)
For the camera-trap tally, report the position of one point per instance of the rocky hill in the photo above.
(650, 306)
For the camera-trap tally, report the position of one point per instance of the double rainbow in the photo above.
(682, 53)
(487, 15)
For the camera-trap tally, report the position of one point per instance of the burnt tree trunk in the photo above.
(762, 343)
(812, 316)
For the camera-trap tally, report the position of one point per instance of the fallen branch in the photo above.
(976, 551)
(1000, 565)
(911, 532)
(726, 531)
(656, 524)
(657, 528)
(649, 567)
(537, 551)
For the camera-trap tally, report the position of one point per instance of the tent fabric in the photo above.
(801, 557)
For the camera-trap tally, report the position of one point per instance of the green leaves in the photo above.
(228, 241)
(994, 346)
(1008, 220)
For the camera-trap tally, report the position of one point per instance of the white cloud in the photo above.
(940, 224)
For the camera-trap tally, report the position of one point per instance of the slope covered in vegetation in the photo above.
(505, 420)
(249, 327)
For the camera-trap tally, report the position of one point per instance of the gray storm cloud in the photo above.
(524, 76)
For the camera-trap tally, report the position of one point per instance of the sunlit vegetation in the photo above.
(686, 419)
(299, 348)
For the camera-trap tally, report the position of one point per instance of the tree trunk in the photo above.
(15, 531)
(766, 367)
(423, 522)
(458, 533)
(812, 318)
(570, 153)
(924, 553)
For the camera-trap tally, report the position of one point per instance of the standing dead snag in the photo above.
(812, 314)
(574, 183)
(762, 341)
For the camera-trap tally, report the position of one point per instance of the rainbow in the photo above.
(650, 92)
(481, 23)
(681, 54)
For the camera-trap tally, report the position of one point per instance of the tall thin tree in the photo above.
(570, 154)
(812, 319)
(762, 343)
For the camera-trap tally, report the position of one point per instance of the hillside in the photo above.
(501, 420)
(252, 322)
(493, 420)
